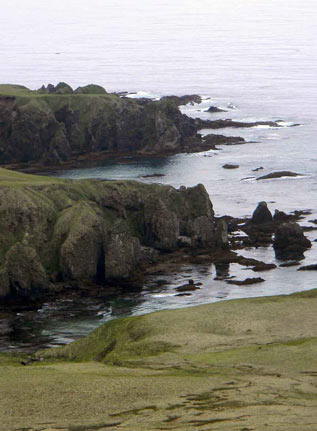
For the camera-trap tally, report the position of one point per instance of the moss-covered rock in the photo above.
(62, 230)
(90, 89)
(52, 125)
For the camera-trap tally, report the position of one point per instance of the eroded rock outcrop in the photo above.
(290, 240)
(62, 231)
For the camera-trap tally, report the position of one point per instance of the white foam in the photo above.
(141, 94)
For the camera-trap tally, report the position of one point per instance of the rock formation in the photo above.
(290, 241)
(59, 231)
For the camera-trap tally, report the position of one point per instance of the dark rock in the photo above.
(183, 100)
(221, 236)
(258, 169)
(312, 267)
(153, 176)
(289, 264)
(214, 109)
(246, 282)
(230, 166)
(189, 287)
(290, 240)
(261, 214)
(221, 124)
(222, 271)
(212, 140)
(263, 267)
(279, 174)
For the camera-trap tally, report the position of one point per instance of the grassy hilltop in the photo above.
(236, 365)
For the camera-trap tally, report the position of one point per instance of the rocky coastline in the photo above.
(58, 128)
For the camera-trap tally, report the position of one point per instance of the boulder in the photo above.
(289, 238)
(261, 214)
(213, 109)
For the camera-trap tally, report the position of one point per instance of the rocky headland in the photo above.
(56, 126)
(55, 231)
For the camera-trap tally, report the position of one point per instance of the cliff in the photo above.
(60, 230)
(53, 125)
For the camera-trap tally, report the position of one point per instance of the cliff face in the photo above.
(54, 230)
(39, 126)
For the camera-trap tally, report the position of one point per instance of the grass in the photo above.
(17, 179)
(197, 368)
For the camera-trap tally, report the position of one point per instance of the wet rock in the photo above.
(230, 166)
(211, 140)
(261, 214)
(153, 176)
(246, 282)
(183, 100)
(289, 264)
(289, 239)
(312, 267)
(279, 174)
(263, 267)
(222, 271)
(220, 124)
(213, 109)
(189, 287)
(221, 236)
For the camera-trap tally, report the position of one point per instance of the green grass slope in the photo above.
(235, 365)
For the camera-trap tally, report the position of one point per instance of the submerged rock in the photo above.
(312, 267)
(246, 282)
(230, 166)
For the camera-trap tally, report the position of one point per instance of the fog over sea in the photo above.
(255, 58)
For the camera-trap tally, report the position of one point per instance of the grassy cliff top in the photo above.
(236, 365)
(15, 179)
